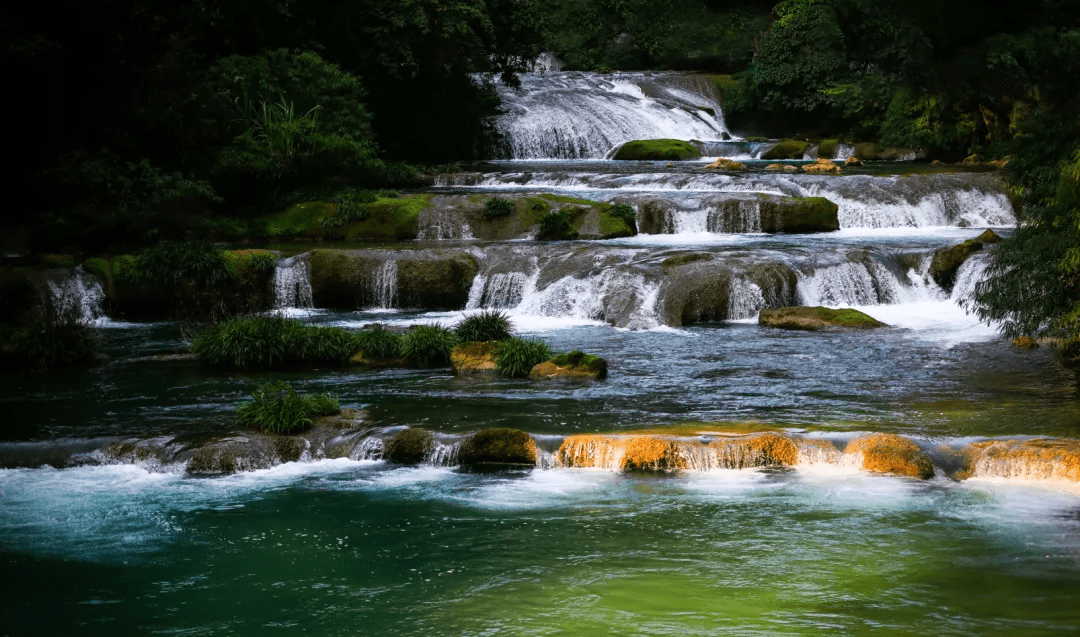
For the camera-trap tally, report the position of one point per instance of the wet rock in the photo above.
(972, 160)
(473, 359)
(671, 263)
(726, 164)
(429, 279)
(1025, 342)
(816, 318)
(786, 149)
(695, 291)
(890, 453)
(1051, 459)
(947, 261)
(822, 167)
(657, 150)
(852, 162)
(654, 216)
(575, 364)
(761, 450)
(410, 446)
(871, 151)
(798, 215)
(827, 148)
(498, 446)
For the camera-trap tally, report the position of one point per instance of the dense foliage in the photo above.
(378, 344)
(265, 342)
(276, 407)
(428, 345)
(516, 357)
(489, 325)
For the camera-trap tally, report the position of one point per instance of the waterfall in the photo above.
(745, 299)
(76, 298)
(385, 286)
(441, 224)
(587, 115)
(736, 217)
(971, 272)
(292, 283)
(500, 291)
(620, 297)
(853, 283)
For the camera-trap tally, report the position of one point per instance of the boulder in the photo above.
(822, 167)
(786, 149)
(429, 279)
(726, 164)
(972, 160)
(816, 318)
(473, 359)
(784, 167)
(1025, 342)
(1055, 459)
(798, 215)
(575, 364)
(657, 150)
(852, 161)
(498, 446)
(947, 261)
(827, 148)
(410, 446)
(870, 150)
(890, 453)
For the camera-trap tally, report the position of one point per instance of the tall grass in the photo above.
(378, 344)
(490, 325)
(276, 407)
(428, 345)
(272, 341)
(517, 356)
(495, 207)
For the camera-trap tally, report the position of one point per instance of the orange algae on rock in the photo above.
(473, 358)
(1036, 459)
(890, 453)
(666, 453)
(651, 453)
(762, 450)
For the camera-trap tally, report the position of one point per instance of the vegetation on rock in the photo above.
(488, 325)
(410, 446)
(428, 345)
(266, 342)
(575, 364)
(516, 357)
(498, 446)
(657, 150)
(276, 407)
(816, 318)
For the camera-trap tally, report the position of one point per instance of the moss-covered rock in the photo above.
(498, 446)
(727, 164)
(575, 364)
(816, 318)
(671, 263)
(473, 359)
(889, 453)
(657, 150)
(872, 151)
(786, 149)
(429, 279)
(798, 215)
(947, 261)
(410, 446)
(385, 219)
(782, 167)
(827, 148)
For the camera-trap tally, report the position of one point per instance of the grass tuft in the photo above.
(428, 345)
(272, 341)
(491, 325)
(378, 344)
(495, 207)
(516, 357)
(276, 407)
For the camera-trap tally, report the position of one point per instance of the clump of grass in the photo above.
(262, 262)
(378, 344)
(516, 357)
(48, 347)
(495, 207)
(176, 264)
(556, 226)
(428, 345)
(272, 341)
(624, 212)
(491, 325)
(276, 407)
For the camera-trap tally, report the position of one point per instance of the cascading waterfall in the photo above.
(745, 299)
(292, 283)
(385, 285)
(853, 283)
(77, 297)
(969, 275)
(502, 290)
(587, 115)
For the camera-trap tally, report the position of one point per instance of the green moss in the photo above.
(386, 218)
(799, 215)
(581, 360)
(947, 261)
(410, 446)
(296, 219)
(98, 267)
(816, 318)
(613, 227)
(671, 263)
(787, 149)
(827, 148)
(729, 87)
(657, 149)
(499, 446)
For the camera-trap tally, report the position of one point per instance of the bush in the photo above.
(262, 262)
(624, 212)
(517, 356)
(428, 345)
(378, 344)
(556, 226)
(495, 207)
(490, 325)
(176, 264)
(272, 341)
(277, 408)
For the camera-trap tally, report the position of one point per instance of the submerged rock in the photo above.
(498, 446)
(816, 318)
(784, 167)
(473, 359)
(853, 161)
(575, 364)
(1051, 459)
(657, 150)
(410, 446)
(890, 453)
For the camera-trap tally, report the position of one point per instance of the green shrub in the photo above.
(276, 407)
(378, 344)
(490, 325)
(428, 345)
(517, 356)
(624, 212)
(272, 341)
(176, 264)
(262, 262)
(495, 207)
(556, 226)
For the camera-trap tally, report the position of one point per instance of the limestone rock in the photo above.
(575, 364)
(821, 167)
(798, 215)
(476, 359)
(410, 446)
(786, 149)
(816, 318)
(947, 261)
(972, 160)
(1026, 342)
(890, 453)
(657, 149)
(853, 161)
(1055, 459)
(498, 446)
(724, 163)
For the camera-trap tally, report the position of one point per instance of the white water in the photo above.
(77, 296)
(292, 284)
(385, 286)
(588, 115)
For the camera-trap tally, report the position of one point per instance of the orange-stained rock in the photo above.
(651, 453)
(473, 359)
(853, 161)
(1025, 341)
(1036, 459)
(648, 452)
(761, 450)
(822, 166)
(726, 164)
(890, 453)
